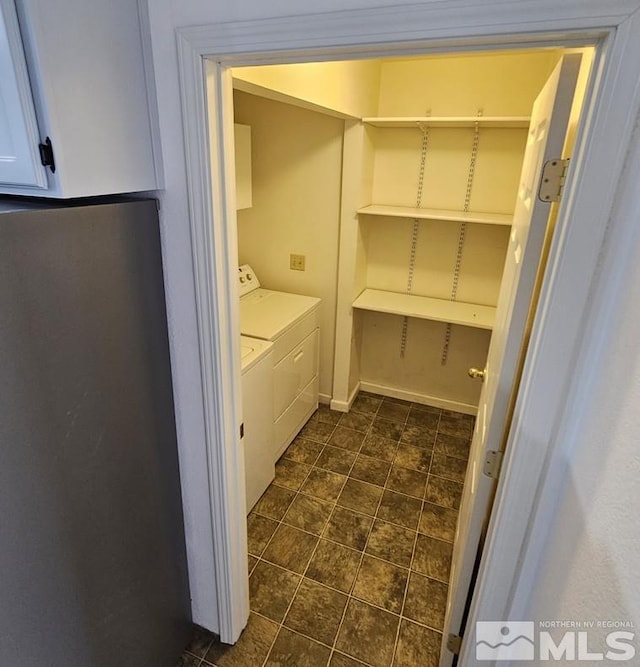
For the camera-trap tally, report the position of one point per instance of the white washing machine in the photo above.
(291, 322)
(257, 416)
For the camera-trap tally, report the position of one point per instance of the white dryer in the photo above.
(257, 417)
(291, 322)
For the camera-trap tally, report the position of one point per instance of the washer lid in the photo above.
(267, 314)
(252, 350)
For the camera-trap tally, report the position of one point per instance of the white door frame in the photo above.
(572, 275)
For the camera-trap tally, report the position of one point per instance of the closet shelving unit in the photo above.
(517, 122)
(411, 305)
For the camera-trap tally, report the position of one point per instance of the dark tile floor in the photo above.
(350, 546)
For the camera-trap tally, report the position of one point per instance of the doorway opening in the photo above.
(400, 205)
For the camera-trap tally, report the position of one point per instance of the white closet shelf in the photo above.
(426, 308)
(437, 214)
(449, 121)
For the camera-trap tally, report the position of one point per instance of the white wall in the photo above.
(613, 488)
(296, 176)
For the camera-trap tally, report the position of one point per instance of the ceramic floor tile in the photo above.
(250, 650)
(415, 458)
(274, 502)
(357, 421)
(400, 509)
(336, 459)
(456, 424)
(271, 589)
(366, 404)
(317, 431)
(309, 514)
(409, 482)
(452, 446)
(303, 451)
(368, 634)
(449, 467)
(293, 650)
(417, 645)
(368, 469)
(379, 447)
(389, 480)
(444, 492)
(438, 522)
(325, 414)
(433, 557)
(426, 601)
(419, 436)
(391, 543)
(259, 532)
(291, 474)
(360, 496)
(188, 660)
(399, 401)
(316, 612)
(348, 528)
(381, 584)
(387, 428)
(290, 548)
(346, 438)
(424, 415)
(334, 565)
(393, 411)
(201, 639)
(323, 484)
(341, 660)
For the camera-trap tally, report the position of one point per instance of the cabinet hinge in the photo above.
(454, 643)
(46, 155)
(492, 464)
(552, 181)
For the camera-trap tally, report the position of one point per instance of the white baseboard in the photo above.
(324, 399)
(423, 399)
(345, 406)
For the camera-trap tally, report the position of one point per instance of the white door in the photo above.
(19, 155)
(549, 122)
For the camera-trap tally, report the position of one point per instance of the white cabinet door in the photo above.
(19, 155)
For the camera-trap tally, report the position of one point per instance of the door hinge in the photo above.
(454, 643)
(552, 182)
(492, 464)
(46, 155)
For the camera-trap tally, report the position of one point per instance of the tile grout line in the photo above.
(441, 451)
(366, 544)
(334, 504)
(281, 623)
(349, 595)
(413, 552)
(357, 572)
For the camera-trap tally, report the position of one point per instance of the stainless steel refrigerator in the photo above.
(92, 556)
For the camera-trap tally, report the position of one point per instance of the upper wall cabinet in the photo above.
(19, 155)
(74, 112)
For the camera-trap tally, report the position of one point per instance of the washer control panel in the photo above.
(247, 279)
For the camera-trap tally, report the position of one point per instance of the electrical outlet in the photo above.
(296, 262)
